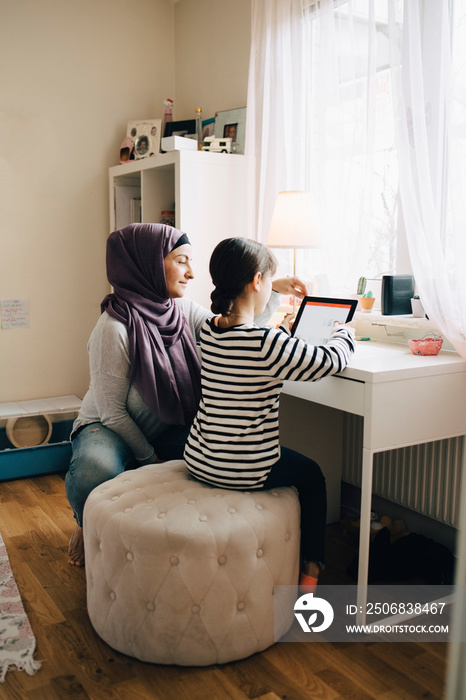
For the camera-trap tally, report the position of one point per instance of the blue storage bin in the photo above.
(20, 462)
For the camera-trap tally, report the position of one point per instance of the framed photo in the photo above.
(231, 123)
(183, 128)
(208, 128)
(145, 136)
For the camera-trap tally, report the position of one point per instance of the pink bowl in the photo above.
(425, 346)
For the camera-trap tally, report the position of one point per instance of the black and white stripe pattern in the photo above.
(234, 439)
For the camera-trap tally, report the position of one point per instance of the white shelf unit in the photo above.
(206, 190)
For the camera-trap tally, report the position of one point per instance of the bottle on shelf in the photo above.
(199, 128)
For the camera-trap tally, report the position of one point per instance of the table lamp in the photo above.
(294, 224)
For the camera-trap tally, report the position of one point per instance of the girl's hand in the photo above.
(288, 320)
(291, 285)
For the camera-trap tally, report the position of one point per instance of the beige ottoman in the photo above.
(179, 572)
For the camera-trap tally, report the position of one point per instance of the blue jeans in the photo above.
(294, 469)
(99, 454)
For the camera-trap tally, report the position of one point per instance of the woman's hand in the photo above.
(291, 285)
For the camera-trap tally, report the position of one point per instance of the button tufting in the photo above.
(275, 493)
(196, 608)
(101, 545)
(113, 595)
(287, 537)
(150, 606)
(259, 507)
(115, 498)
(130, 556)
(232, 510)
(162, 515)
(240, 605)
(222, 559)
(174, 561)
(203, 518)
(127, 510)
(191, 502)
(260, 553)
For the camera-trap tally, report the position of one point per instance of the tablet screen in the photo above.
(318, 316)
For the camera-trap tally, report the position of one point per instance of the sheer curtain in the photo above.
(310, 123)
(429, 76)
(428, 58)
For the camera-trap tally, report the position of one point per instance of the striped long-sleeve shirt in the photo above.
(234, 440)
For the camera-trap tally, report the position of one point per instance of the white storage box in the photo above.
(178, 143)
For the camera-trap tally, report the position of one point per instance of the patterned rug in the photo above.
(17, 642)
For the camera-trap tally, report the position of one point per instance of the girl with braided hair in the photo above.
(234, 439)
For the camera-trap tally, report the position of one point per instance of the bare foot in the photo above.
(76, 547)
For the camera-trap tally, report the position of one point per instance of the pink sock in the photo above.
(308, 581)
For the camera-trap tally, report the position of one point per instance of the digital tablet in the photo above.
(318, 316)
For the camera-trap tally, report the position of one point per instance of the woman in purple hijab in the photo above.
(144, 367)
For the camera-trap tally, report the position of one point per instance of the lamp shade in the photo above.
(294, 222)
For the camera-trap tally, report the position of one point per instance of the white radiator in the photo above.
(425, 478)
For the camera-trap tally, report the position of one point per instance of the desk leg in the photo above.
(364, 534)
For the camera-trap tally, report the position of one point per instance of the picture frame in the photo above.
(146, 137)
(208, 127)
(232, 123)
(183, 128)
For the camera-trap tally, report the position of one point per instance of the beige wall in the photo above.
(72, 74)
(212, 40)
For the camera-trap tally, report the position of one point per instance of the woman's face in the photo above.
(178, 270)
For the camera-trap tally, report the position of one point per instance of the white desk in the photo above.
(404, 399)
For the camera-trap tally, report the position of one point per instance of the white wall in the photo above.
(212, 41)
(73, 74)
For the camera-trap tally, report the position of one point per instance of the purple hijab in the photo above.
(165, 367)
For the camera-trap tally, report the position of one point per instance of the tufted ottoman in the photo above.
(179, 572)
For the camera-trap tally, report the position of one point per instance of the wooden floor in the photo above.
(36, 523)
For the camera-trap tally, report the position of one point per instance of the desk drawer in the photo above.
(336, 392)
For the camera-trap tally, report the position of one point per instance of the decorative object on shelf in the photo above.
(215, 145)
(417, 307)
(167, 218)
(367, 301)
(208, 127)
(185, 128)
(294, 224)
(362, 282)
(127, 150)
(199, 128)
(426, 346)
(178, 143)
(146, 137)
(167, 115)
(232, 123)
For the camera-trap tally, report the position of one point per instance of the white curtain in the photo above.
(429, 76)
(428, 59)
(310, 123)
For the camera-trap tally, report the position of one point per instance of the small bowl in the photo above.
(425, 346)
